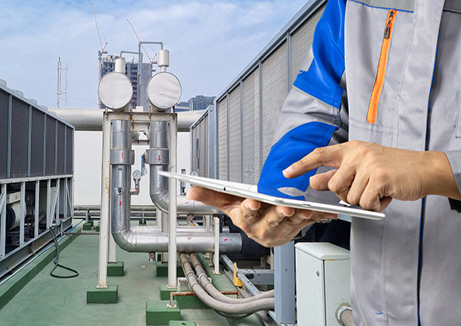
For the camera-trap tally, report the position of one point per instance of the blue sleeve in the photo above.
(319, 85)
(322, 78)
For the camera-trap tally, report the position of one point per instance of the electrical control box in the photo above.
(322, 282)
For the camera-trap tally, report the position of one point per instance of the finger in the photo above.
(299, 217)
(357, 188)
(320, 181)
(276, 215)
(319, 216)
(249, 211)
(321, 156)
(223, 202)
(372, 199)
(341, 182)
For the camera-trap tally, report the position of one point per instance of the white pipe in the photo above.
(184, 205)
(120, 65)
(91, 119)
(104, 220)
(172, 246)
(112, 249)
(216, 245)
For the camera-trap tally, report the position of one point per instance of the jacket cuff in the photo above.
(454, 157)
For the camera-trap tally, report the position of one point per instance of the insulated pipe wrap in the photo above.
(120, 177)
(135, 240)
(237, 308)
(122, 156)
(159, 146)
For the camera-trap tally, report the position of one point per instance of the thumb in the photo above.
(320, 181)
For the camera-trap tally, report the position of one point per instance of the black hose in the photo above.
(56, 260)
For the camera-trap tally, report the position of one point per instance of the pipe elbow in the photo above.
(125, 239)
(160, 199)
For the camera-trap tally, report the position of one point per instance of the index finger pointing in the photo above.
(331, 156)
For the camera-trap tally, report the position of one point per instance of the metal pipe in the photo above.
(172, 243)
(134, 241)
(140, 58)
(185, 206)
(236, 308)
(216, 245)
(92, 119)
(190, 293)
(158, 157)
(211, 289)
(104, 223)
(130, 52)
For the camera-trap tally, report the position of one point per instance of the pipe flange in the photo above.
(122, 156)
(158, 156)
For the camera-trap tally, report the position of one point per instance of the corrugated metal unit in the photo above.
(204, 152)
(247, 110)
(37, 143)
(36, 171)
(251, 128)
(19, 138)
(301, 41)
(223, 137)
(194, 134)
(203, 143)
(234, 136)
(199, 135)
(274, 91)
(4, 98)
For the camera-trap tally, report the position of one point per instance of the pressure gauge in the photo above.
(136, 175)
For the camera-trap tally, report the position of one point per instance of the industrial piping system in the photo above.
(137, 238)
(164, 91)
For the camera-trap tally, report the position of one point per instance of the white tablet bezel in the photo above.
(250, 191)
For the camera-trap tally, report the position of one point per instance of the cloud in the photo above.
(210, 42)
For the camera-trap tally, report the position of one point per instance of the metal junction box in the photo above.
(322, 282)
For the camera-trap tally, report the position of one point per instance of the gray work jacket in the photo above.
(387, 72)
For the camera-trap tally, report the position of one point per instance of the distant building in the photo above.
(200, 102)
(182, 106)
(131, 70)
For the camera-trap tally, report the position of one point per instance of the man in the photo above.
(382, 88)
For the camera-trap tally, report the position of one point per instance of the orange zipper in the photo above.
(379, 81)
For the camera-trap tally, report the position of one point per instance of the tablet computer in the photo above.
(251, 191)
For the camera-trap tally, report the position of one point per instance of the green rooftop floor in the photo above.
(46, 300)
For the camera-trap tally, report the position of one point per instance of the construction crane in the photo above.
(139, 40)
(103, 47)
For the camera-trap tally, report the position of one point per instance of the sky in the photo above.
(210, 42)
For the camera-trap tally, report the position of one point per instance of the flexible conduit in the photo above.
(344, 315)
(210, 288)
(237, 308)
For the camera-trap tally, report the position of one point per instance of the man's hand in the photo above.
(268, 225)
(370, 175)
